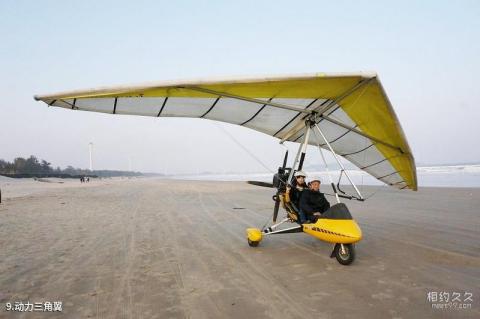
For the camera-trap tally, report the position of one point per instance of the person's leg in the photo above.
(301, 214)
(315, 217)
(309, 218)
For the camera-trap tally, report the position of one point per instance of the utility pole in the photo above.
(90, 148)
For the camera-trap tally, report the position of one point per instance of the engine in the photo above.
(280, 179)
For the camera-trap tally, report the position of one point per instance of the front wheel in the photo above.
(252, 243)
(346, 255)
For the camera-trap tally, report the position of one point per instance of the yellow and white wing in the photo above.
(352, 110)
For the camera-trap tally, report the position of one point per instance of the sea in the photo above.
(429, 176)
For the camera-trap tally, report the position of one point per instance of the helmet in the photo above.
(300, 173)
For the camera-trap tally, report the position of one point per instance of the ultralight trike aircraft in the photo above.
(347, 114)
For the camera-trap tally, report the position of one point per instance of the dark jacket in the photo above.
(296, 194)
(312, 202)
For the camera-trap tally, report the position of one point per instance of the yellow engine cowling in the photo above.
(342, 231)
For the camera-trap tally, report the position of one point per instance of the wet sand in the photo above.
(146, 248)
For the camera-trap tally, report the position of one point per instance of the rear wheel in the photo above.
(252, 243)
(346, 255)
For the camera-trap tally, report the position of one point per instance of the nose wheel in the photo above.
(253, 243)
(344, 253)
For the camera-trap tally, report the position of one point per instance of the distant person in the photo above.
(88, 179)
(81, 179)
(313, 203)
(295, 192)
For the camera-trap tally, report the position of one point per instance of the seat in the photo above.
(292, 210)
(337, 211)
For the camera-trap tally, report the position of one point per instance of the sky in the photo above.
(426, 54)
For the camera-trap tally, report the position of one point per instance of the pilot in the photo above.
(312, 202)
(299, 186)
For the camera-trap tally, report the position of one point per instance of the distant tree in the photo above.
(19, 165)
(70, 170)
(34, 166)
(6, 167)
(46, 167)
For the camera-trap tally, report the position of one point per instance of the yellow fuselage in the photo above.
(341, 231)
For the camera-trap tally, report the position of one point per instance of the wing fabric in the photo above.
(354, 112)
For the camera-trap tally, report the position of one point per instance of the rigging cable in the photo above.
(243, 147)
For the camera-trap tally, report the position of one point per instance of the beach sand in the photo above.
(151, 248)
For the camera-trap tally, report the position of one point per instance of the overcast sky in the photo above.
(425, 52)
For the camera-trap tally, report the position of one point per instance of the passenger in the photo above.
(295, 193)
(313, 203)
(299, 185)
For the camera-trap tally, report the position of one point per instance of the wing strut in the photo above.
(316, 113)
(302, 149)
(326, 168)
(339, 162)
(248, 99)
(333, 121)
(322, 109)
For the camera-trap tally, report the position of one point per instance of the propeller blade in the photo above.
(285, 160)
(262, 184)
(276, 208)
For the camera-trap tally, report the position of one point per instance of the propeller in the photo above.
(261, 184)
(279, 182)
(276, 198)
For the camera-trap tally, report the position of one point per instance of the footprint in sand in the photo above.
(382, 296)
(379, 266)
(318, 295)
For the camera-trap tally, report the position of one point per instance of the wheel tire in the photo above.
(253, 243)
(348, 257)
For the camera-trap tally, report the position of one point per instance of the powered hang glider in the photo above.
(347, 114)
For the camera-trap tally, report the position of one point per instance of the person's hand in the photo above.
(317, 214)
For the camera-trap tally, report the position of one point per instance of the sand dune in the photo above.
(176, 249)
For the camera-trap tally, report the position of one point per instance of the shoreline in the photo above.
(14, 188)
